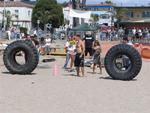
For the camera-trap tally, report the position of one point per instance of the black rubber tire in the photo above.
(131, 53)
(31, 57)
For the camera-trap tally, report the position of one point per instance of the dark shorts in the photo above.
(97, 59)
(79, 61)
(88, 50)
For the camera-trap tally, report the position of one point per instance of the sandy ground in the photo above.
(42, 92)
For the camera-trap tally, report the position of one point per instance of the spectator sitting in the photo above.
(44, 47)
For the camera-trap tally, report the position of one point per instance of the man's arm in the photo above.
(83, 47)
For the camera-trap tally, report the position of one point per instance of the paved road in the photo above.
(42, 92)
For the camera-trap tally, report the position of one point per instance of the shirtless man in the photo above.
(79, 58)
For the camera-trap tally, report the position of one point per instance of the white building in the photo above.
(105, 17)
(20, 12)
(66, 12)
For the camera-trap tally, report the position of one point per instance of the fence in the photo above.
(142, 41)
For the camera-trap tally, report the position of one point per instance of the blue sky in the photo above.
(119, 2)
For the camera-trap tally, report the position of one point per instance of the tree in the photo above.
(64, 4)
(121, 14)
(95, 17)
(9, 17)
(47, 11)
(108, 2)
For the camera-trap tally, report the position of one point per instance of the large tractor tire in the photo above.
(123, 62)
(31, 57)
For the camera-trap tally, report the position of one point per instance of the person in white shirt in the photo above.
(71, 50)
(67, 54)
(134, 31)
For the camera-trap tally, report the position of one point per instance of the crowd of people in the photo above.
(77, 48)
(117, 34)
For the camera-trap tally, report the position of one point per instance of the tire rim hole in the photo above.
(20, 58)
(122, 63)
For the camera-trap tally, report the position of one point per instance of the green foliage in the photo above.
(47, 11)
(9, 17)
(108, 2)
(64, 4)
(121, 13)
(23, 30)
(95, 17)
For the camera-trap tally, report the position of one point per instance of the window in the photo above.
(130, 14)
(17, 17)
(146, 14)
(16, 11)
(29, 13)
(105, 16)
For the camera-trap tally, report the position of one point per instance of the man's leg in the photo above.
(100, 67)
(67, 60)
(78, 71)
(86, 51)
(82, 71)
(91, 52)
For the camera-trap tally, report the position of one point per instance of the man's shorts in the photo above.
(89, 50)
(79, 61)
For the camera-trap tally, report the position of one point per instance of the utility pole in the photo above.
(4, 16)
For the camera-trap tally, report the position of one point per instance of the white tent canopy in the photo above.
(80, 14)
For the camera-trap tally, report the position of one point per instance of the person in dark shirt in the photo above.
(89, 42)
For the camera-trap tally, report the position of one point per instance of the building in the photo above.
(136, 16)
(20, 13)
(98, 7)
(103, 10)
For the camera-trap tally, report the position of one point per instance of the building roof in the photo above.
(15, 4)
(97, 6)
(131, 7)
(30, 2)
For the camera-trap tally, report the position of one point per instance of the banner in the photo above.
(80, 14)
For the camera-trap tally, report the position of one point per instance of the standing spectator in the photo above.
(88, 41)
(9, 34)
(134, 31)
(67, 54)
(79, 58)
(108, 34)
(146, 33)
(126, 32)
(120, 33)
(140, 33)
(71, 50)
(35, 32)
(97, 56)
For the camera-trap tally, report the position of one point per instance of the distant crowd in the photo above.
(117, 34)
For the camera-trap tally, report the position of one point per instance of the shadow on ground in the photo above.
(8, 73)
(109, 78)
